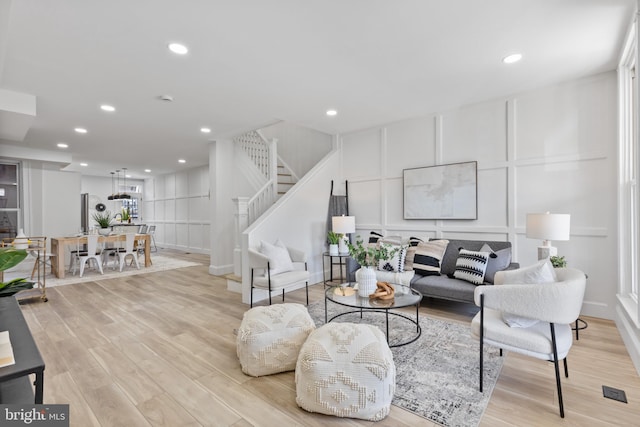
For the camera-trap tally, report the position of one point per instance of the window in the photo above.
(629, 187)
(9, 199)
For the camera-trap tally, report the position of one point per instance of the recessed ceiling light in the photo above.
(205, 130)
(109, 108)
(182, 161)
(127, 176)
(62, 145)
(84, 165)
(178, 48)
(331, 113)
(147, 170)
(513, 58)
(80, 130)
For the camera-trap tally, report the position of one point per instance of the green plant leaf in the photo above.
(10, 257)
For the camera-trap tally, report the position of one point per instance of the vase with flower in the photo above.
(368, 257)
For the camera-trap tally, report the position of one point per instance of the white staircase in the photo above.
(264, 169)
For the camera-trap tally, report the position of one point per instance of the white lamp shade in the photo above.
(343, 224)
(548, 226)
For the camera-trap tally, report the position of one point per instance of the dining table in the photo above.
(59, 244)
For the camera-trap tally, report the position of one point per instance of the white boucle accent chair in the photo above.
(262, 277)
(270, 337)
(346, 370)
(555, 305)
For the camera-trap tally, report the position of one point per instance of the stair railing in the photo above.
(258, 148)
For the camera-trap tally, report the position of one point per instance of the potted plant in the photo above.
(103, 219)
(334, 239)
(368, 257)
(558, 261)
(125, 216)
(10, 257)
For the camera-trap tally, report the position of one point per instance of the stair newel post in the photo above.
(242, 222)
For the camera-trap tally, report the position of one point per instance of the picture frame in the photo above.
(447, 191)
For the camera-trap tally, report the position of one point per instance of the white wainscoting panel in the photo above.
(182, 210)
(417, 137)
(182, 184)
(477, 132)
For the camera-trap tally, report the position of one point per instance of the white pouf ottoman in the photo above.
(269, 338)
(346, 370)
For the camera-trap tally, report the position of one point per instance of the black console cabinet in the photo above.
(15, 386)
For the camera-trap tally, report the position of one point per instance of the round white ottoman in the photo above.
(269, 338)
(346, 370)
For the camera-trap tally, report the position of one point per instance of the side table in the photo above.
(340, 262)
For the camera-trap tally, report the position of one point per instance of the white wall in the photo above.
(552, 149)
(301, 148)
(100, 188)
(51, 205)
(178, 205)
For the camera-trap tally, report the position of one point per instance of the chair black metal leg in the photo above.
(269, 280)
(566, 369)
(500, 352)
(251, 301)
(282, 295)
(481, 337)
(557, 368)
(306, 285)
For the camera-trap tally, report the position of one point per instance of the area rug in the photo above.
(437, 375)
(160, 263)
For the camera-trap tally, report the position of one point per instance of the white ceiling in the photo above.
(253, 62)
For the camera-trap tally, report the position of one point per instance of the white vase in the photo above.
(333, 250)
(366, 278)
(21, 241)
(104, 231)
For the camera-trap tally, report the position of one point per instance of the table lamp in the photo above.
(548, 227)
(343, 225)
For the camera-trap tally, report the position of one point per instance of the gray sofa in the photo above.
(446, 286)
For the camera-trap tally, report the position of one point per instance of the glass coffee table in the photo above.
(404, 297)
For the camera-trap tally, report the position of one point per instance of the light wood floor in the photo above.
(159, 349)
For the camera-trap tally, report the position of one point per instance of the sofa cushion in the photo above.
(443, 287)
(471, 266)
(428, 256)
(500, 261)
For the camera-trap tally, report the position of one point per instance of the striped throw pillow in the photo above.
(428, 256)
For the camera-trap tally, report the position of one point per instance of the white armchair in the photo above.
(264, 277)
(555, 305)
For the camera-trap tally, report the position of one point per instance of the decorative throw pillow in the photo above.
(396, 262)
(471, 265)
(279, 259)
(539, 273)
(428, 256)
(498, 260)
(411, 253)
(373, 239)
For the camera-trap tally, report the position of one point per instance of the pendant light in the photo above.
(112, 187)
(125, 195)
(116, 196)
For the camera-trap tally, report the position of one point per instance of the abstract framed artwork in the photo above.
(441, 192)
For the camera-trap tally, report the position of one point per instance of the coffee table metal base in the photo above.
(416, 322)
